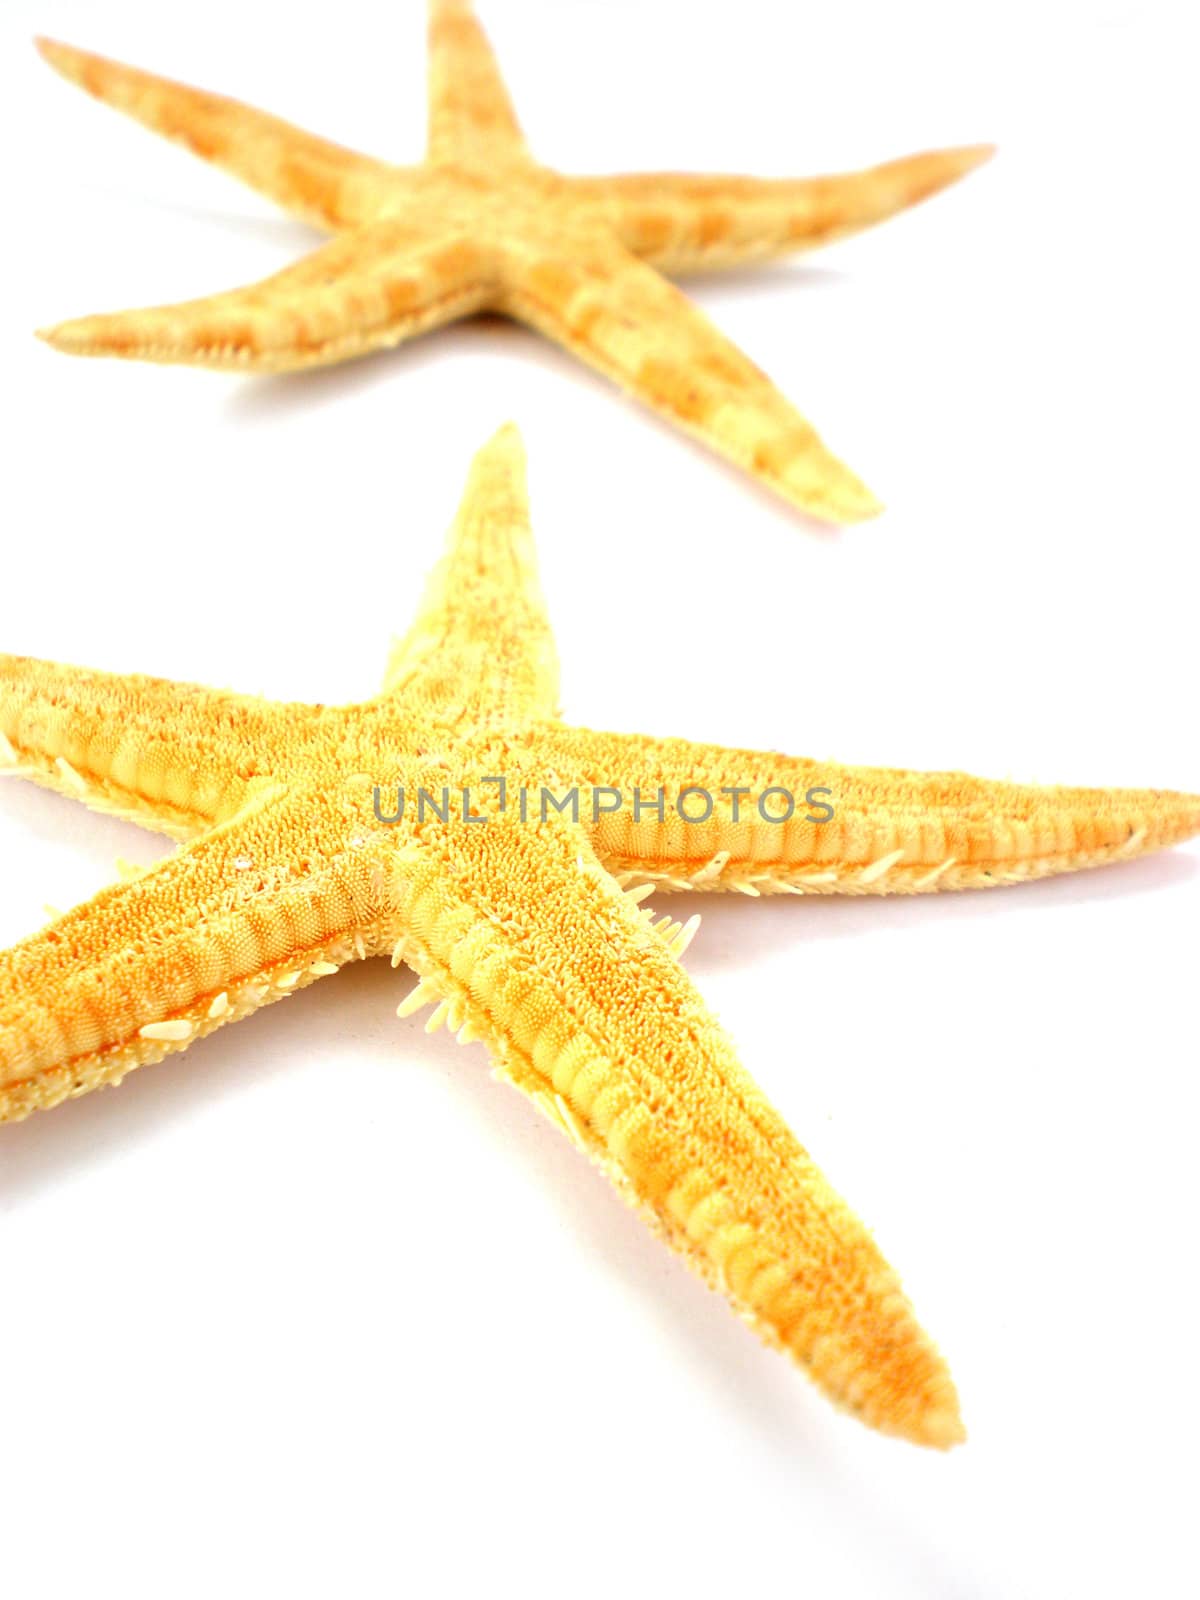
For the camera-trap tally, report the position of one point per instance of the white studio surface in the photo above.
(318, 1307)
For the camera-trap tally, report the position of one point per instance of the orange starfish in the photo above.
(479, 225)
(513, 901)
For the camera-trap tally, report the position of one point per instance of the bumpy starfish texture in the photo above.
(526, 930)
(479, 225)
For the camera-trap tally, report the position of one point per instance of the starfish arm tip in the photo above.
(943, 168)
(948, 163)
(924, 1408)
(941, 1427)
(65, 336)
(840, 499)
(503, 452)
(860, 507)
(64, 58)
(956, 162)
(507, 439)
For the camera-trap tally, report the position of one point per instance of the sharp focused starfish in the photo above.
(480, 226)
(524, 930)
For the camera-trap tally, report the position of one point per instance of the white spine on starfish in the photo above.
(685, 936)
(439, 1015)
(677, 936)
(930, 878)
(711, 870)
(556, 1110)
(425, 994)
(880, 868)
(169, 1032)
(69, 776)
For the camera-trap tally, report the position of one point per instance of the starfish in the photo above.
(522, 919)
(480, 226)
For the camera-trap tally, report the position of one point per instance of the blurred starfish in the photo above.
(480, 226)
(527, 933)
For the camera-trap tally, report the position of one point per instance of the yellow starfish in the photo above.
(523, 925)
(480, 226)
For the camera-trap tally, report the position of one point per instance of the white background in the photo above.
(319, 1308)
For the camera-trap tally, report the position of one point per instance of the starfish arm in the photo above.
(146, 967)
(586, 292)
(172, 756)
(322, 182)
(529, 945)
(360, 292)
(481, 650)
(681, 221)
(800, 826)
(471, 117)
